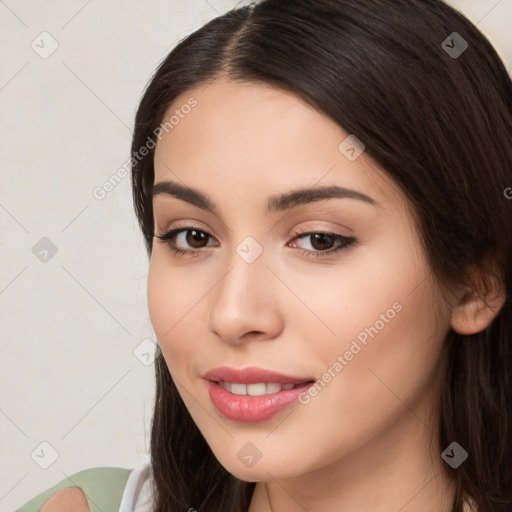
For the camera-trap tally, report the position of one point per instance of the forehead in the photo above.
(259, 133)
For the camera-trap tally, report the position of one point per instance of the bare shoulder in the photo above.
(66, 500)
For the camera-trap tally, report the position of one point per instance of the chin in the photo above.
(263, 470)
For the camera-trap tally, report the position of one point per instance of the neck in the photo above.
(402, 471)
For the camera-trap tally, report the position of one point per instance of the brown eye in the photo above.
(196, 238)
(186, 241)
(322, 241)
(324, 244)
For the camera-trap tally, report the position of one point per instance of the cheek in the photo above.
(391, 379)
(168, 301)
(374, 293)
(162, 297)
(378, 336)
(384, 360)
(395, 347)
(177, 307)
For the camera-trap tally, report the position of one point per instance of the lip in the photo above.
(252, 375)
(253, 409)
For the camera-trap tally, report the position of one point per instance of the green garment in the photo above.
(103, 488)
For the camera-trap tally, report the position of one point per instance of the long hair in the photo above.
(436, 116)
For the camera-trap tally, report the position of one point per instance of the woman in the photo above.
(322, 189)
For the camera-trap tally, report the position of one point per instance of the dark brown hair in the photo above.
(439, 125)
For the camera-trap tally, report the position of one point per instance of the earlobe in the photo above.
(475, 312)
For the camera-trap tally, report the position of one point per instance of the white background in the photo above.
(69, 326)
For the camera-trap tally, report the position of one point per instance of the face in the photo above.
(327, 288)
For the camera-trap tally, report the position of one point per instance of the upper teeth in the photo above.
(258, 389)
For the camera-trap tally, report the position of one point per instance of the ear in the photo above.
(476, 310)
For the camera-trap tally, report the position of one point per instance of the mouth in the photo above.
(256, 389)
(253, 375)
(253, 395)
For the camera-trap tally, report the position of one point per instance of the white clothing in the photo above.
(138, 494)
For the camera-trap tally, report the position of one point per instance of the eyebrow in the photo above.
(275, 203)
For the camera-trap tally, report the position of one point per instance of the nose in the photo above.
(245, 304)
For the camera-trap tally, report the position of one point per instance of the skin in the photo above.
(71, 498)
(368, 440)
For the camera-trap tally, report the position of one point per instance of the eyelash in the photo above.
(344, 242)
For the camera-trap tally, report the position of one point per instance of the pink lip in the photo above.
(252, 409)
(252, 375)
